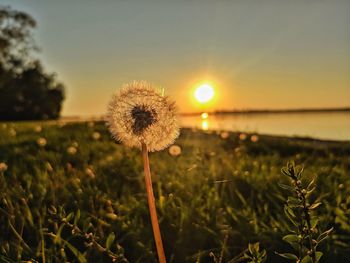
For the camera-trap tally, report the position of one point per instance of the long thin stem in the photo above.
(152, 205)
(299, 191)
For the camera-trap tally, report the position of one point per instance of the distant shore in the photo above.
(271, 111)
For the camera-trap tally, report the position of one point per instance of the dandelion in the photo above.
(238, 151)
(76, 181)
(224, 135)
(69, 167)
(41, 142)
(243, 136)
(112, 216)
(89, 172)
(3, 167)
(96, 136)
(75, 144)
(174, 150)
(109, 158)
(13, 132)
(140, 116)
(254, 138)
(49, 167)
(71, 150)
(38, 128)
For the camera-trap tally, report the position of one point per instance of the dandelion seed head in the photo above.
(13, 132)
(243, 136)
(174, 150)
(41, 142)
(254, 138)
(49, 167)
(140, 113)
(89, 172)
(38, 128)
(112, 216)
(96, 136)
(224, 135)
(3, 167)
(71, 150)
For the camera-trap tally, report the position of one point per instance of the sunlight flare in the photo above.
(204, 93)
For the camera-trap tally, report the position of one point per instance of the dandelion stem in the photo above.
(152, 206)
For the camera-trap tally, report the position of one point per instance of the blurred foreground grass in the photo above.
(70, 193)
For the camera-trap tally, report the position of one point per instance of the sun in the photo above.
(204, 93)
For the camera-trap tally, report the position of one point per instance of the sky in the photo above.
(257, 54)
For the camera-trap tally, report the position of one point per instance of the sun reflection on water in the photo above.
(204, 115)
(205, 125)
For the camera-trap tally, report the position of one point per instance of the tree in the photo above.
(26, 91)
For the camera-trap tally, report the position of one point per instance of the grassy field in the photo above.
(68, 193)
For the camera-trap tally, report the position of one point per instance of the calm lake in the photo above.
(321, 125)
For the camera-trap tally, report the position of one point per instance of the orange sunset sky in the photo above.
(256, 54)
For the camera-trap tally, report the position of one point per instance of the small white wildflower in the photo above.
(75, 144)
(41, 142)
(72, 150)
(3, 167)
(96, 136)
(139, 113)
(174, 150)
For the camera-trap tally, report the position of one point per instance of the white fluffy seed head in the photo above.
(140, 113)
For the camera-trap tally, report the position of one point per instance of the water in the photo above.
(321, 125)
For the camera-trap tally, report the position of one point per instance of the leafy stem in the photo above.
(299, 212)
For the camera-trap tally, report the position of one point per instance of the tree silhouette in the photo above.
(26, 91)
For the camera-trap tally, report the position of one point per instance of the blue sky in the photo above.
(258, 54)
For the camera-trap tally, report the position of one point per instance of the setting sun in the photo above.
(204, 93)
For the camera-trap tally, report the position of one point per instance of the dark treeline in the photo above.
(27, 92)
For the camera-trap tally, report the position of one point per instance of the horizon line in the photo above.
(242, 111)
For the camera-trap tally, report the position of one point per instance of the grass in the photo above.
(218, 196)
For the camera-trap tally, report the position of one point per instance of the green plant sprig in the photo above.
(298, 209)
(90, 239)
